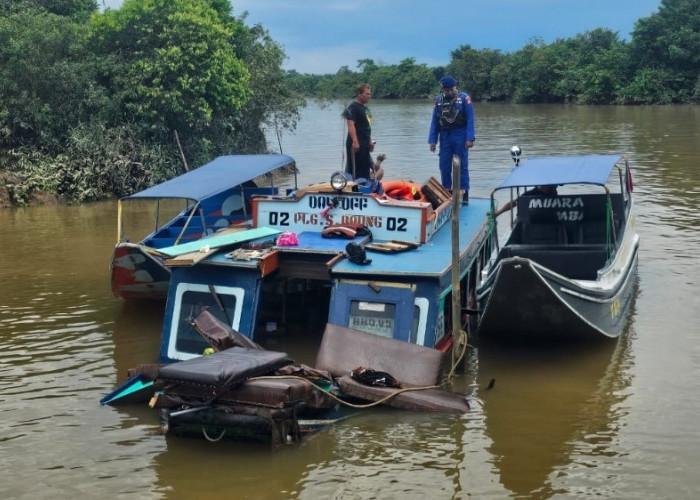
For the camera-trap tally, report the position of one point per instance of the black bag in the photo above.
(356, 254)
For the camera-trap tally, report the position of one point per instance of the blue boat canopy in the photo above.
(215, 177)
(560, 170)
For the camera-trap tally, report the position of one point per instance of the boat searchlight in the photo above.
(515, 152)
(339, 181)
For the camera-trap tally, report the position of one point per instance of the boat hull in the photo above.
(527, 301)
(138, 273)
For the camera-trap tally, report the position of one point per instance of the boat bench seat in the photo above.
(573, 261)
(222, 378)
(591, 231)
(543, 233)
(577, 219)
(344, 349)
(230, 373)
(212, 221)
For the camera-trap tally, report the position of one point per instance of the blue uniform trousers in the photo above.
(452, 143)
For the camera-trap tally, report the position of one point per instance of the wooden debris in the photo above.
(435, 192)
(394, 246)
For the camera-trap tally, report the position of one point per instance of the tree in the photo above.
(537, 71)
(174, 64)
(47, 80)
(79, 10)
(472, 68)
(273, 102)
(667, 46)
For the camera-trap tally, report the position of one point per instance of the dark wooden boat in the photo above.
(567, 266)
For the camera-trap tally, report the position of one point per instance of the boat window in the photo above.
(373, 317)
(223, 302)
(420, 319)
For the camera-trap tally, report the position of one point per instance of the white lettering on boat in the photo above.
(556, 202)
(317, 202)
(570, 215)
(567, 203)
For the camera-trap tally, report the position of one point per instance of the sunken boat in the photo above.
(364, 281)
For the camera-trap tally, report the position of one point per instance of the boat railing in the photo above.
(574, 261)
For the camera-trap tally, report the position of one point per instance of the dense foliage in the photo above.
(102, 104)
(659, 65)
(96, 104)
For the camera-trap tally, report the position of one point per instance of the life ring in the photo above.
(403, 190)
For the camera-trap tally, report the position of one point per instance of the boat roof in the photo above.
(215, 177)
(560, 170)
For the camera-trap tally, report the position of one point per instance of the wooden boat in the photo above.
(567, 266)
(360, 279)
(216, 197)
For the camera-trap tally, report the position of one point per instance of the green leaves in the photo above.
(90, 102)
(179, 68)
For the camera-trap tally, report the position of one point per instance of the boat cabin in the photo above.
(573, 226)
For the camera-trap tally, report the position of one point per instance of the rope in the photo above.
(461, 340)
(343, 402)
(210, 439)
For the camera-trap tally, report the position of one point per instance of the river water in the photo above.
(613, 421)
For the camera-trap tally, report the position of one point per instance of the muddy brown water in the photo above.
(617, 420)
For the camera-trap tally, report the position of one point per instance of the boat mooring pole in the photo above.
(457, 337)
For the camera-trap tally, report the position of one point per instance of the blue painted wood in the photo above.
(217, 241)
(433, 258)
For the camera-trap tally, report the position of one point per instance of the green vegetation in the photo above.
(659, 65)
(97, 104)
(94, 104)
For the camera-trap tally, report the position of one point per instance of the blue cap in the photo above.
(448, 82)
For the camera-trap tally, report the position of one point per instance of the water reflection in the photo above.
(549, 403)
(136, 335)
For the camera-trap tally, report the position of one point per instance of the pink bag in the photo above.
(287, 240)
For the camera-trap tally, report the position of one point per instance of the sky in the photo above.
(321, 36)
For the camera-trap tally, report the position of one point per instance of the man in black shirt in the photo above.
(359, 143)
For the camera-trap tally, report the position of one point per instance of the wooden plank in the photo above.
(325, 187)
(444, 194)
(217, 241)
(189, 259)
(394, 246)
(269, 262)
(435, 192)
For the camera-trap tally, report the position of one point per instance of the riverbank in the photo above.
(36, 198)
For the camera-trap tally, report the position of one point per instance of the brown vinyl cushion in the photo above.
(268, 393)
(218, 334)
(436, 400)
(212, 375)
(278, 393)
(343, 349)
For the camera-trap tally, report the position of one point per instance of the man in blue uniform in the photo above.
(453, 123)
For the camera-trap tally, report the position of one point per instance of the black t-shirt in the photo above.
(360, 114)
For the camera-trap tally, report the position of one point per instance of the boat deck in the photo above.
(433, 258)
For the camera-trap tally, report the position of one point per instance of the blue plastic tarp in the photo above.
(560, 170)
(215, 177)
